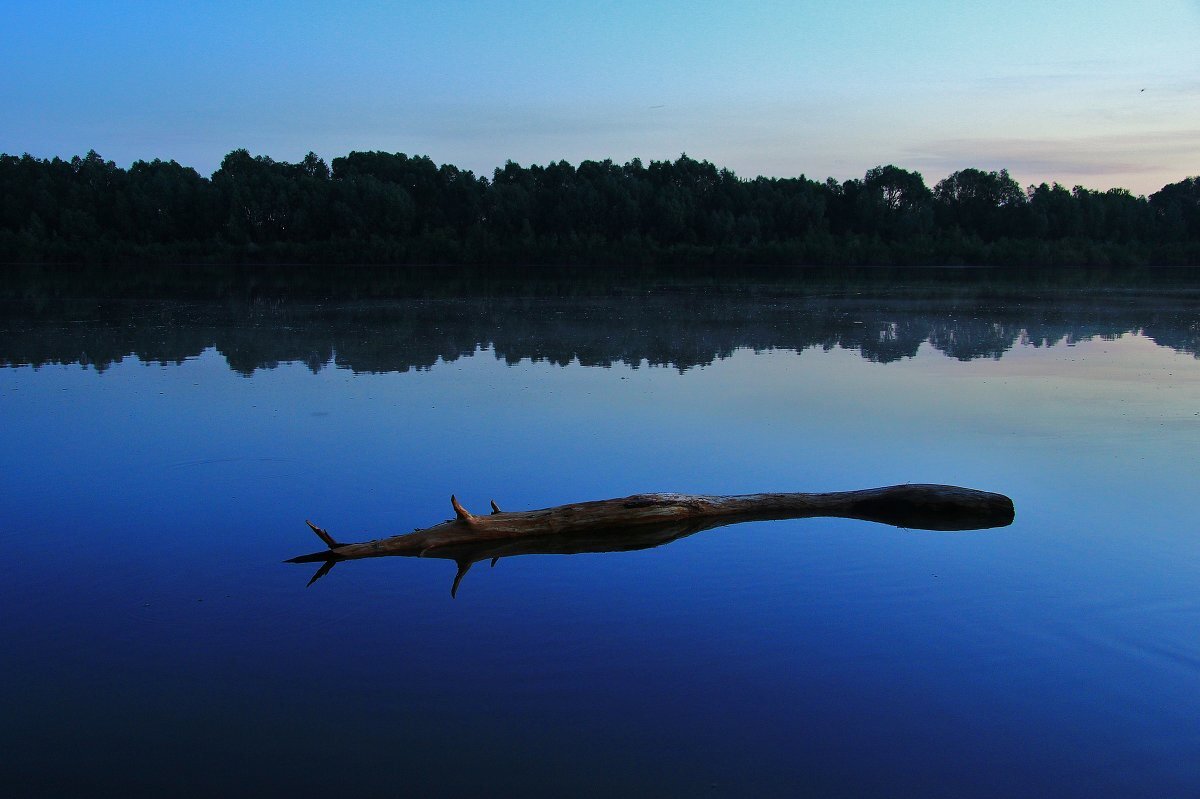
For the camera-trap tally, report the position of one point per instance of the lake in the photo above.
(163, 443)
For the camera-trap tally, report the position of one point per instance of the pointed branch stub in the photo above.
(459, 510)
(323, 535)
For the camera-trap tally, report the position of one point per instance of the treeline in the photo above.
(374, 207)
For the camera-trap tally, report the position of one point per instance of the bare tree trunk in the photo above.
(647, 520)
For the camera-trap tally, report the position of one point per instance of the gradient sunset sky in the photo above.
(1100, 93)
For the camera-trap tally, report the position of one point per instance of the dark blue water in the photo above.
(158, 460)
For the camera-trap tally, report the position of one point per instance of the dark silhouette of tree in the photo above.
(1177, 208)
(895, 202)
(394, 208)
(985, 204)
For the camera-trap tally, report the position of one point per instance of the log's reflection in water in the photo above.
(644, 521)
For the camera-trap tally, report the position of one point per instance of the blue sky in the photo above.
(1050, 90)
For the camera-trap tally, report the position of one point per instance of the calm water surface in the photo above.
(158, 460)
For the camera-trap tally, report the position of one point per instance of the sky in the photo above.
(1099, 93)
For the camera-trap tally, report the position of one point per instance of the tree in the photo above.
(987, 204)
(1177, 208)
(895, 202)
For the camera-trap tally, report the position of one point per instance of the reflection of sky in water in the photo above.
(147, 509)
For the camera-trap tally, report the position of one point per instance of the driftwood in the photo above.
(649, 520)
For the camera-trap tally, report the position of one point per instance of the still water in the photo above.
(158, 458)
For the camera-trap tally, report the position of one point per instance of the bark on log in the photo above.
(648, 520)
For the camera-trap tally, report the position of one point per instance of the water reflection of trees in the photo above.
(681, 330)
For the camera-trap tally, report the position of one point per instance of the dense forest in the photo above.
(384, 208)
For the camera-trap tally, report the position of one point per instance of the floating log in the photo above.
(649, 520)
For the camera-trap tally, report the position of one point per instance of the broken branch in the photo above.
(648, 520)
